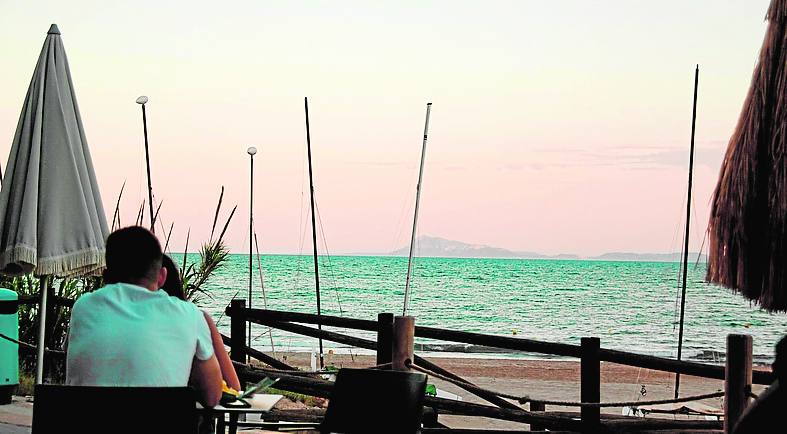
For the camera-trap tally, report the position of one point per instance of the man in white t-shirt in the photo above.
(130, 333)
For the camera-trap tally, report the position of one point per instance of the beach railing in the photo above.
(394, 345)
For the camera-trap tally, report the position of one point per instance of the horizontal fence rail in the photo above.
(55, 300)
(283, 320)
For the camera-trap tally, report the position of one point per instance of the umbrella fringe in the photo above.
(81, 263)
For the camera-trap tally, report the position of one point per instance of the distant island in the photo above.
(437, 247)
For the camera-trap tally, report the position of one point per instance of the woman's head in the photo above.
(173, 285)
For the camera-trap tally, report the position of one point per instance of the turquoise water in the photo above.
(629, 305)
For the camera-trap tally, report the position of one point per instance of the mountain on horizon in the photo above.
(436, 247)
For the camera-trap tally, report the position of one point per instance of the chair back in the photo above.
(371, 400)
(83, 409)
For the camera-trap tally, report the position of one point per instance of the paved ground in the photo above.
(17, 417)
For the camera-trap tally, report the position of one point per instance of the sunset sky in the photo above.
(557, 127)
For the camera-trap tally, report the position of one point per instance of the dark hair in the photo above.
(133, 255)
(173, 285)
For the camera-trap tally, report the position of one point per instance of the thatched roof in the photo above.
(748, 223)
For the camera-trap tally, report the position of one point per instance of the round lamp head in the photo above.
(142, 100)
(252, 150)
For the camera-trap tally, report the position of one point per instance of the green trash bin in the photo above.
(9, 351)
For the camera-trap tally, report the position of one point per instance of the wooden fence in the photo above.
(391, 333)
(391, 345)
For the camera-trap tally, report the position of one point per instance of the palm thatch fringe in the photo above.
(748, 222)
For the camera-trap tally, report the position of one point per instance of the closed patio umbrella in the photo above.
(748, 222)
(52, 220)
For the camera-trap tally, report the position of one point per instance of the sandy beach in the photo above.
(544, 379)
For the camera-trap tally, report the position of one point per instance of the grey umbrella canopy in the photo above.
(51, 215)
(52, 221)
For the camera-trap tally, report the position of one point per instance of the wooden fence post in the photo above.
(237, 331)
(590, 377)
(537, 406)
(738, 379)
(403, 340)
(384, 337)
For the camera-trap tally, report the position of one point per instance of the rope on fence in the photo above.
(382, 366)
(29, 346)
(526, 399)
(309, 373)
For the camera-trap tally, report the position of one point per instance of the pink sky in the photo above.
(556, 126)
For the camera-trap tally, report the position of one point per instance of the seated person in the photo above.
(128, 333)
(174, 287)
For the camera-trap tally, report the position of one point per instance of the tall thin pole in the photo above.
(42, 330)
(415, 216)
(688, 226)
(314, 227)
(251, 151)
(143, 100)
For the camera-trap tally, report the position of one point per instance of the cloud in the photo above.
(708, 153)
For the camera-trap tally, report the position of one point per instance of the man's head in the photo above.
(134, 256)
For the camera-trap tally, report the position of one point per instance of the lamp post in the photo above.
(142, 101)
(251, 151)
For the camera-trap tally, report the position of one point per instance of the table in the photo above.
(260, 403)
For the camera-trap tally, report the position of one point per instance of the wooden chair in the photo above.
(80, 409)
(371, 400)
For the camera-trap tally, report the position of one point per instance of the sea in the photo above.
(632, 306)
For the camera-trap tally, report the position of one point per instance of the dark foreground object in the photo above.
(369, 400)
(766, 415)
(72, 409)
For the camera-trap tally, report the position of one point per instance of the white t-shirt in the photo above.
(127, 335)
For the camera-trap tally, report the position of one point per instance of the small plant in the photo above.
(307, 400)
(27, 384)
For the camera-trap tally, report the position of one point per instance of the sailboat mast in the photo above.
(314, 226)
(415, 216)
(688, 226)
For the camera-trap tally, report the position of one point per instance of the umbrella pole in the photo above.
(686, 240)
(41, 330)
